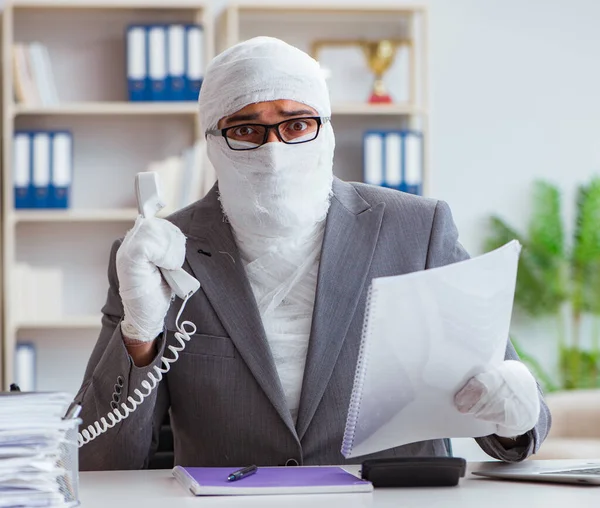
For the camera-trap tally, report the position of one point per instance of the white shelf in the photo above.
(66, 323)
(122, 215)
(109, 4)
(110, 108)
(367, 7)
(375, 109)
(187, 108)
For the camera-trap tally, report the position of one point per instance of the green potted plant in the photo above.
(561, 280)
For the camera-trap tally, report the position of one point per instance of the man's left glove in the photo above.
(507, 396)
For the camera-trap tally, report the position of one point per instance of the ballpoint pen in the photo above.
(242, 473)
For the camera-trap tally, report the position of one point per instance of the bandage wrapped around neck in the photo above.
(277, 190)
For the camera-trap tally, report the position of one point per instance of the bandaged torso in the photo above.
(283, 276)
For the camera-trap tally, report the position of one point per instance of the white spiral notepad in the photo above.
(424, 335)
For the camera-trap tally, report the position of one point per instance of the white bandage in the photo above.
(257, 70)
(277, 189)
(507, 396)
(146, 297)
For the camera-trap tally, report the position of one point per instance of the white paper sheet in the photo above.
(36, 448)
(426, 333)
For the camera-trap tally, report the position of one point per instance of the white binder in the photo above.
(373, 158)
(62, 168)
(176, 62)
(393, 160)
(137, 72)
(22, 169)
(194, 61)
(41, 168)
(25, 367)
(157, 62)
(413, 162)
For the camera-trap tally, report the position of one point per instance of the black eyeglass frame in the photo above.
(321, 120)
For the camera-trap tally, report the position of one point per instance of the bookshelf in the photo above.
(109, 108)
(90, 215)
(113, 140)
(350, 82)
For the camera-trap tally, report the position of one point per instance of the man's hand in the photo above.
(507, 396)
(146, 297)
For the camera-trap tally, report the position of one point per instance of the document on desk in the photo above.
(425, 335)
(38, 451)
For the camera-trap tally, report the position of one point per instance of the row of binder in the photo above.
(165, 62)
(394, 159)
(42, 168)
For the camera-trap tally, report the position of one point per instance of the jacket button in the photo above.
(292, 462)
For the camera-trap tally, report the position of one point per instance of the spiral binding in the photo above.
(101, 426)
(359, 379)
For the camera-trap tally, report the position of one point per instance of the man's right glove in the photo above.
(146, 297)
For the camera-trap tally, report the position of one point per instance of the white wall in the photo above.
(514, 96)
(514, 93)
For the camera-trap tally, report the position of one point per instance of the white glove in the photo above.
(146, 297)
(507, 396)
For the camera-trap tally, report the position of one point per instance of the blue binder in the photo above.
(373, 157)
(41, 168)
(22, 169)
(194, 57)
(61, 169)
(412, 161)
(137, 63)
(157, 62)
(392, 157)
(176, 53)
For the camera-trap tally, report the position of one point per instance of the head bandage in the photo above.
(277, 190)
(257, 70)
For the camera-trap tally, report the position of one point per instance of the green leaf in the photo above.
(538, 371)
(539, 290)
(546, 233)
(579, 368)
(586, 250)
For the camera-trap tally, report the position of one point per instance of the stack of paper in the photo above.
(185, 178)
(33, 76)
(38, 451)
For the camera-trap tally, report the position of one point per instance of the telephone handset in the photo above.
(183, 285)
(147, 190)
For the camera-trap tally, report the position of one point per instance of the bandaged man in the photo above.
(285, 253)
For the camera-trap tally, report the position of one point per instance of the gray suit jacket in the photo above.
(226, 403)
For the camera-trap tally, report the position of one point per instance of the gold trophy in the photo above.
(380, 56)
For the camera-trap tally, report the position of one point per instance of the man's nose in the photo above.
(272, 137)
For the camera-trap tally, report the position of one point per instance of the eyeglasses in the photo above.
(250, 136)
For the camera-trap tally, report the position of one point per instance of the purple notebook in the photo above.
(212, 481)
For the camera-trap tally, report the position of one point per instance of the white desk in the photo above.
(158, 489)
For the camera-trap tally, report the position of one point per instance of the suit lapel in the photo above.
(351, 234)
(223, 280)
